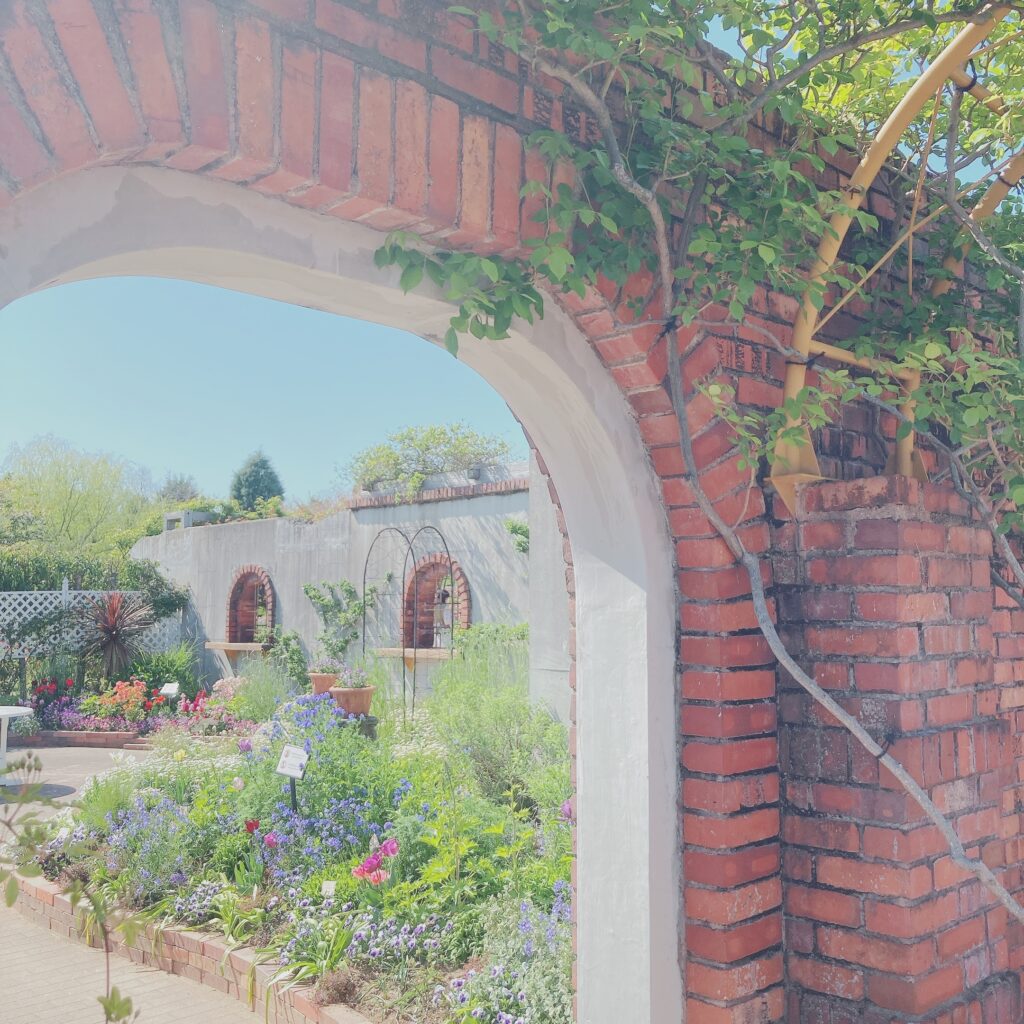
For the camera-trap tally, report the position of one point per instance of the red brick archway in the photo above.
(418, 625)
(394, 113)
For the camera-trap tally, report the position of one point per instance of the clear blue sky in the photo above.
(187, 378)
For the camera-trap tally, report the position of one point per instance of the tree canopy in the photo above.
(255, 482)
(71, 500)
(410, 455)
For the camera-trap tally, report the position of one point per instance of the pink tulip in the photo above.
(271, 839)
(378, 876)
(389, 848)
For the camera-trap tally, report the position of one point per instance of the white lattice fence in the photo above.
(19, 608)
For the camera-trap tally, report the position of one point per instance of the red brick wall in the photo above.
(889, 604)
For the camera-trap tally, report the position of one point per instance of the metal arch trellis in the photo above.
(381, 604)
(796, 461)
(381, 612)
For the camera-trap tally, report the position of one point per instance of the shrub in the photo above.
(26, 725)
(176, 665)
(116, 623)
(267, 685)
(529, 952)
(481, 710)
(409, 456)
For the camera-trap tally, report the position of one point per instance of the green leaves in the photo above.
(116, 1007)
(487, 291)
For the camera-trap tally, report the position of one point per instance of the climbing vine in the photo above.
(709, 178)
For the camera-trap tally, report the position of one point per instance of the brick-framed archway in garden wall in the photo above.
(266, 146)
(418, 607)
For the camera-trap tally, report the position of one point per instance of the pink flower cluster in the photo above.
(372, 868)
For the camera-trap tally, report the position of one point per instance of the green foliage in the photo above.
(480, 708)
(32, 567)
(268, 685)
(76, 502)
(116, 1007)
(489, 294)
(176, 665)
(409, 456)
(104, 796)
(201, 833)
(177, 488)
(520, 532)
(286, 651)
(26, 725)
(341, 611)
(735, 144)
(115, 624)
(254, 482)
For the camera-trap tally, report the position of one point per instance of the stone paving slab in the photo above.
(46, 979)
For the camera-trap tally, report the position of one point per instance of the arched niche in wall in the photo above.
(435, 582)
(250, 611)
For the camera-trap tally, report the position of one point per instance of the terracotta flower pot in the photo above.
(322, 681)
(353, 700)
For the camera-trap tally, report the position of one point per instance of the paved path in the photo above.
(46, 979)
(66, 770)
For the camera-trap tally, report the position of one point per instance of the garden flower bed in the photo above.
(64, 715)
(422, 876)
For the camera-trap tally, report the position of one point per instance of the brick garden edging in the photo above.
(74, 738)
(199, 956)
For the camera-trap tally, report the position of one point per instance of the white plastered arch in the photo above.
(112, 221)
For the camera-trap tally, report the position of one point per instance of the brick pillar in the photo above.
(888, 604)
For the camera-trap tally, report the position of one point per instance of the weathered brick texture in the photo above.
(890, 608)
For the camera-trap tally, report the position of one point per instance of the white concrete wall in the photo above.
(549, 603)
(206, 558)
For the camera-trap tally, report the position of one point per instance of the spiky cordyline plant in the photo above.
(116, 623)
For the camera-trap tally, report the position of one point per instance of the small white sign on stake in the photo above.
(169, 690)
(328, 888)
(292, 762)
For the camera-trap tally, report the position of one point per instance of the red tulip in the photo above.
(148, 705)
(251, 825)
(69, 683)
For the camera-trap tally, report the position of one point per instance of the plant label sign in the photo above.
(292, 762)
(328, 888)
(169, 690)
